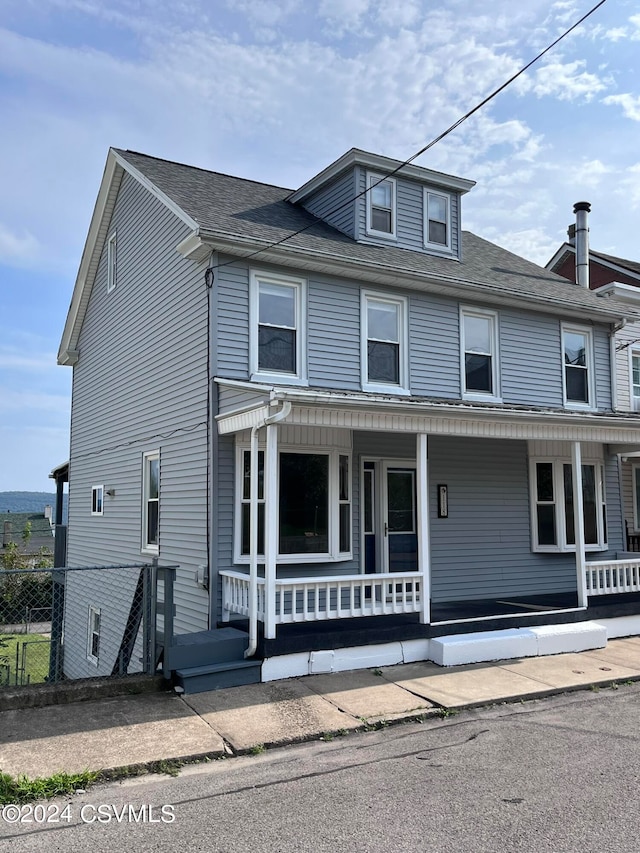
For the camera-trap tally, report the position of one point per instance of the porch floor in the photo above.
(520, 612)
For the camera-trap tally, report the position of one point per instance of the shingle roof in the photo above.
(236, 207)
(632, 266)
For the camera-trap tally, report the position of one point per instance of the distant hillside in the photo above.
(31, 502)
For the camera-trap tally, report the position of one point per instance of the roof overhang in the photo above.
(360, 411)
(386, 165)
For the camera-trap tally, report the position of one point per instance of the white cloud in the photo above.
(590, 173)
(20, 249)
(343, 16)
(567, 81)
(630, 104)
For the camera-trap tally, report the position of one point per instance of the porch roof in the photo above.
(363, 411)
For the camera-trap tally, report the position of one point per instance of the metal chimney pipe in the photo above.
(581, 210)
(6, 534)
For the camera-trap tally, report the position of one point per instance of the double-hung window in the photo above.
(381, 206)
(278, 333)
(314, 505)
(150, 501)
(479, 354)
(437, 224)
(111, 262)
(577, 359)
(384, 343)
(553, 522)
(635, 380)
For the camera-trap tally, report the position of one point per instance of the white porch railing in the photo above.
(316, 599)
(615, 576)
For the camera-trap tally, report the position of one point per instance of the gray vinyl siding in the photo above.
(530, 346)
(334, 334)
(231, 320)
(626, 477)
(602, 356)
(627, 341)
(530, 359)
(334, 203)
(483, 549)
(434, 348)
(409, 216)
(616, 539)
(140, 385)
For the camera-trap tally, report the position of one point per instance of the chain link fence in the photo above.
(72, 623)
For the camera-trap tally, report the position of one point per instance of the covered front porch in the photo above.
(448, 520)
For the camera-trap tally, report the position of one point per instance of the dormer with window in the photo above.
(376, 200)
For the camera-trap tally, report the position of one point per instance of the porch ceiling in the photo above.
(415, 415)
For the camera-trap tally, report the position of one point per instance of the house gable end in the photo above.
(99, 231)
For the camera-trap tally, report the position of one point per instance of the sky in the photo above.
(275, 90)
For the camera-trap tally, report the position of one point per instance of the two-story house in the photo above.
(618, 278)
(364, 435)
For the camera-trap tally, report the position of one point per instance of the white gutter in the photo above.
(253, 525)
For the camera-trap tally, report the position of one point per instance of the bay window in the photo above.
(314, 505)
(553, 524)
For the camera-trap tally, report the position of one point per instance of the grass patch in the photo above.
(22, 789)
(35, 658)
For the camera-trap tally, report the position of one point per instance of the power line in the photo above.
(425, 148)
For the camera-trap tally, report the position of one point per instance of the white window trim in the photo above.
(591, 390)
(634, 402)
(635, 473)
(481, 396)
(147, 548)
(93, 611)
(334, 555)
(562, 546)
(276, 377)
(112, 262)
(373, 179)
(441, 247)
(95, 491)
(403, 326)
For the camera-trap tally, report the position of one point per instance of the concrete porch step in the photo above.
(197, 679)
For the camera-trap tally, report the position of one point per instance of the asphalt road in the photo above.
(559, 774)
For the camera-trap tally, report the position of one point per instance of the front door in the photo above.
(400, 547)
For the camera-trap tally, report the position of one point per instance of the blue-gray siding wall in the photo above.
(410, 216)
(483, 549)
(140, 384)
(529, 342)
(616, 538)
(335, 205)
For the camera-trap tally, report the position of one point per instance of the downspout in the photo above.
(253, 525)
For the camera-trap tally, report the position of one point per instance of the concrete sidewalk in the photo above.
(108, 734)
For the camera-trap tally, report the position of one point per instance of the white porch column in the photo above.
(424, 548)
(578, 522)
(270, 530)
